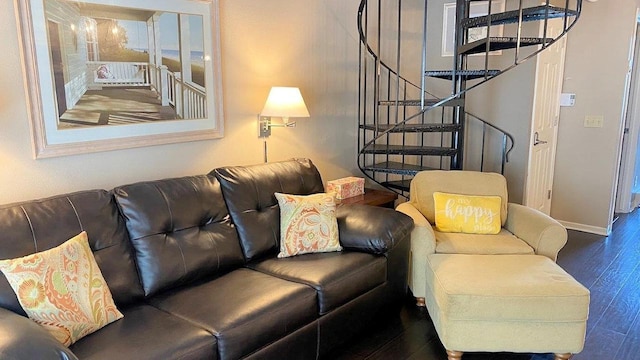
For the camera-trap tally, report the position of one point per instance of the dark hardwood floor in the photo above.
(608, 266)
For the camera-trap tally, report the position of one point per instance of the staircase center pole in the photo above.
(459, 83)
(423, 81)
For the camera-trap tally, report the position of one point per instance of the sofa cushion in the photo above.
(245, 309)
(63, 290)
(249, 193)
(337, 277)
(502, 243)
(29, 227)
(180, 230)
(146, 333)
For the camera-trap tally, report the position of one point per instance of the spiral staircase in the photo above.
(412, 114)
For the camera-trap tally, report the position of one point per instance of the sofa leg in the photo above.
(420, 301)
(454, 355)
(563, 356)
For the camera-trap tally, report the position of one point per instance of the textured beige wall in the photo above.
(587, 158)
(307, 43)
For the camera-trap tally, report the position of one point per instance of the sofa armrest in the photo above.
(371, 229)
(545, 235)
(423, 243)
(21, 338)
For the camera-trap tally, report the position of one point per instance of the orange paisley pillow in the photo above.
(307, 224)
(63, 290)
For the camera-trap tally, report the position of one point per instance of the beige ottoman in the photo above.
(514, 303)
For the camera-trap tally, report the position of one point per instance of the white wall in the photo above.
(588, 158)
(306, 43)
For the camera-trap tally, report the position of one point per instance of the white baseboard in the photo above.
(586, 228)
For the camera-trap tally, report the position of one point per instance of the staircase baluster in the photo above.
(545, 25)
(482, 146)
(519, 33)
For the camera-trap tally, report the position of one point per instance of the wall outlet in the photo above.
(593, 121)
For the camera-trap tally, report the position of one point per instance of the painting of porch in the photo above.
(135, 86)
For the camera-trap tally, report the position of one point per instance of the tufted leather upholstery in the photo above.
(248, 191)
(336, 277)
(153, 334)
(180, 230)
(249, 309)
(197, 281)
(43, 224)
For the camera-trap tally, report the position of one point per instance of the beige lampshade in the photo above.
(285, 102)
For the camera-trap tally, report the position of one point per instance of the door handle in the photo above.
(537, 141)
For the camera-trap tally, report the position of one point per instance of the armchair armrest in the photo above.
(371, 229)
(423, 239)
(21, 338)
(423, 243)
(545, 235)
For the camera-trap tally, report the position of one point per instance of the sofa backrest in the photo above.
(180, 230)
(33, 226)
(249, 194)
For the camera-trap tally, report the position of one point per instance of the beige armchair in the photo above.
(524, 230)
(493, 293)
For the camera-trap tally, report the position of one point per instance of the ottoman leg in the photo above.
(420, 302)
(454, 355)
(563, 356)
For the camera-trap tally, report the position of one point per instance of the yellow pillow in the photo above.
(467, 213)
(308, 224)
(63, 290)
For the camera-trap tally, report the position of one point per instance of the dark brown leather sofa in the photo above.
(191, 264)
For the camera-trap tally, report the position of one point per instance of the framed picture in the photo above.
(479, 8)
(114, 74)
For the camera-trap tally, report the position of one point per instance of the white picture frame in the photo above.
(188, 103)
(479, 8)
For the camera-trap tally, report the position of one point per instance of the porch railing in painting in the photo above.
(187, 98)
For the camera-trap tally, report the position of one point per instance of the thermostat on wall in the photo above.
(567, 99)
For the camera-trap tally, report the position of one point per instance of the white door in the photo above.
(628, 174)
(544, 123)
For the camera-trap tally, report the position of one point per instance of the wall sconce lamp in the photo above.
(285, 103)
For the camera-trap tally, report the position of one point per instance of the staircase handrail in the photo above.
(507, 134)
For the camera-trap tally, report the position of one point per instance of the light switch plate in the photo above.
(593, 121)
(567, 99)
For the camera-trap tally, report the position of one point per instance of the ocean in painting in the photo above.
(197, 57)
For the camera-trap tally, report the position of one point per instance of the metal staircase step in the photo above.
(402, 185)
(398, 168)
(510, 17)
(427, 102)
(413, 128)
(465, 74)
(409, 150)
(500, 43)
